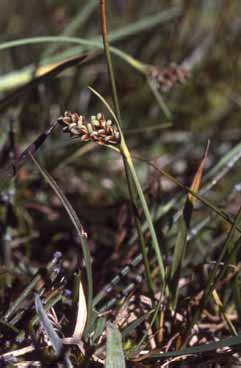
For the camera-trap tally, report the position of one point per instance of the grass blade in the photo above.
(80, 231)
(203, 348)
(134, 28)
(163, 106)
(16, 79)
(184, 224)
(50, 331)
(135, 324)
(43, 74)
(114, 353)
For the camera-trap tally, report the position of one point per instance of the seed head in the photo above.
(98, 130)
(167, 78)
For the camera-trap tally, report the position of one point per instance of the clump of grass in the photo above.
(188, 304)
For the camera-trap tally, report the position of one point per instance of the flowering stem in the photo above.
(108, 57)
(126, 154)
(129, 167)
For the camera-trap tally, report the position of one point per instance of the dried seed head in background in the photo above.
(98, 130)
(167, 78)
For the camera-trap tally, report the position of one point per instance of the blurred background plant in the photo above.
(177, 68)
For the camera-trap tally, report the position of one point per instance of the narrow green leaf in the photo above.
(203, 348)
(133, 325)
(163, 106)
(41, 75)
(182, 230)
(134, 28)
(114, 353)
(180, 246)
(80, 231)
(15, 79)
(99, 328)
(50, 331)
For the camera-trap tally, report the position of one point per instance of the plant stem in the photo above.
(138, 227)
(108, 57)
(125, 152)
(129, 168)
(127, 172)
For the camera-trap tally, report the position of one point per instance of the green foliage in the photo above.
(171, 72)
(114, 353)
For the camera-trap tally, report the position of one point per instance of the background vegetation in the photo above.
(177, 67)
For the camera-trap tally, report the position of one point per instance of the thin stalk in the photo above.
(123, 149)
(159, 99)
(139, 230)
(108, 58)
(129, 168)
(125, 152)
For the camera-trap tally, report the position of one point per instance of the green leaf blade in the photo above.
(114, 355)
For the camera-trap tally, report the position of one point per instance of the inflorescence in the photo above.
(167, 78)
(98, 130)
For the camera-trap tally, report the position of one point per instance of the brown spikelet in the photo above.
(98, 130)
(167, 78)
